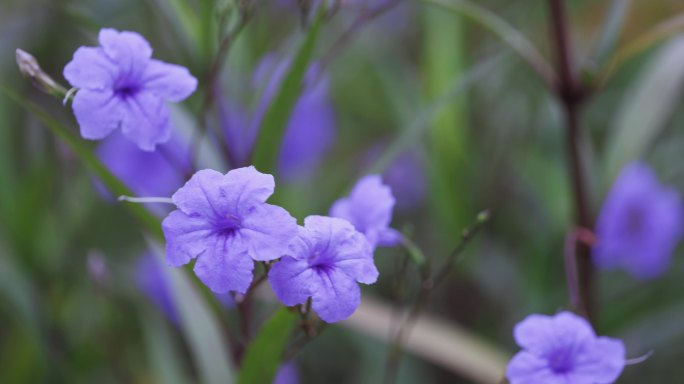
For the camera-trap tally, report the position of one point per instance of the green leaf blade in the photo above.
(278, 113)
(263, 356)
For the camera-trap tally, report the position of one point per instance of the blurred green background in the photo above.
(488, 133)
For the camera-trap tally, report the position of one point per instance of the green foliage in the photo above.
(264, 355)
(276, 117)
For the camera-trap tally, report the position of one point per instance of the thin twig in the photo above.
(347, 36)
(427, 287)
(571, 94)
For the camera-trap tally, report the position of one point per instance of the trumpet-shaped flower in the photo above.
(225, 223)
(369, 208)
(325, 263)
(121, 86)
(639, 225)
(563, 349)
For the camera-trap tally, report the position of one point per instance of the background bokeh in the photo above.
(474, 129)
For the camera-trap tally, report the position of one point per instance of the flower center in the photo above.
(229, 225)
(125, 89)
(635, 221)
(561, 361)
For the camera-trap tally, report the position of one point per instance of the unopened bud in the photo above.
(29, 67)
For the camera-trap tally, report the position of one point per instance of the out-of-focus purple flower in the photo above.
(563, 349)
(287, 374)
(369, 208)
(152, 282)
(121, 86)
(224, 222)
(406, 177)
(639, 225)
(157, 173)
(325, 263)
(309, 133)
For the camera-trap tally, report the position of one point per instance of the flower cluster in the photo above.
(225, 223)
(563, 349)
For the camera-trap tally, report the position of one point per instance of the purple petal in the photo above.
(90, 69)
(150, 278)
(310, 132)
(335, 295)
(169, 81)
(212, 194)
(527, 368)
(224, 266)
(146, 121)
(186, 237)
(349, 249)
(292, 281)
(368, 207)
(130, 51)
(266, 231)
(602, 362)
(287, 374)
(98, 113)
(389, 237)
(541, 334)
(145, 173)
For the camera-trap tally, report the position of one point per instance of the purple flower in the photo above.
(224, 222)
(287, 374)
(309, 133)
(157, 173)
(639, 225)
(369, 209)
(324, 263)
(150, 278)
(563, 349)
(121, 86)
(406, 177)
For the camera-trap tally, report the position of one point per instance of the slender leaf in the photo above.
(648, 39)
(163, 354)
(264, 354)
(82, 150)
(278, 113)
(200, 327)
(504, 31)
(646, 109)
(612, 26)
(416, 128)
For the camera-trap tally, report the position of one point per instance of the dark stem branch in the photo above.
(427, 286)
(571, 93)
